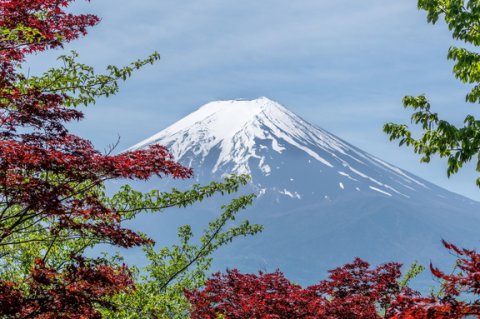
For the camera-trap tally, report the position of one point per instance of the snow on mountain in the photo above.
(240, 131)
(234, 125)
(322, 201)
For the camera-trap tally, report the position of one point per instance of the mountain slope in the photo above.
(322, 201)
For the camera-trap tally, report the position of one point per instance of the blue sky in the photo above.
(343, 65)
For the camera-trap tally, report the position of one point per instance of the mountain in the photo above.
(322, 200)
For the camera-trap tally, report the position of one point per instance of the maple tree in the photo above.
(44, 167)
(353, 291)
(458, 298)
(53, 204)
(49, 178)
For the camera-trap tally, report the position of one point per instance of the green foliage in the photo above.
(80, 81)
(458, 145)
(462, 17)
(53, 202)
(20, 33)
(414, 270)
(160, 286)
(130, 202)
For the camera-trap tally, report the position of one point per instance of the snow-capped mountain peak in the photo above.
(220, 120)
(232, 126)
(250, 136)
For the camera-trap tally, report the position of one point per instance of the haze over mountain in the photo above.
(322, 201)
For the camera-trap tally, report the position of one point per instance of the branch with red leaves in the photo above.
(353, 291)
(73, 293)
(50, 180)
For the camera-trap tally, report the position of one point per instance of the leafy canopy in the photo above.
(458, 144)
(53, 204)
(354, 291)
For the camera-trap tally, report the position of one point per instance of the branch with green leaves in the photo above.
(458, 144)
(159, 287)
(159, 291)
(79, 83)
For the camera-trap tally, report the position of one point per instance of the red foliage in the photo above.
(72, 293)
(353, 291)
(34, 141)
(47, 174)
(460, 295)
(356, 291)
(240, 296)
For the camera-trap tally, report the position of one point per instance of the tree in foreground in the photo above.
(354, 291)
(160, 285)
(52, 197)
(459, 144)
